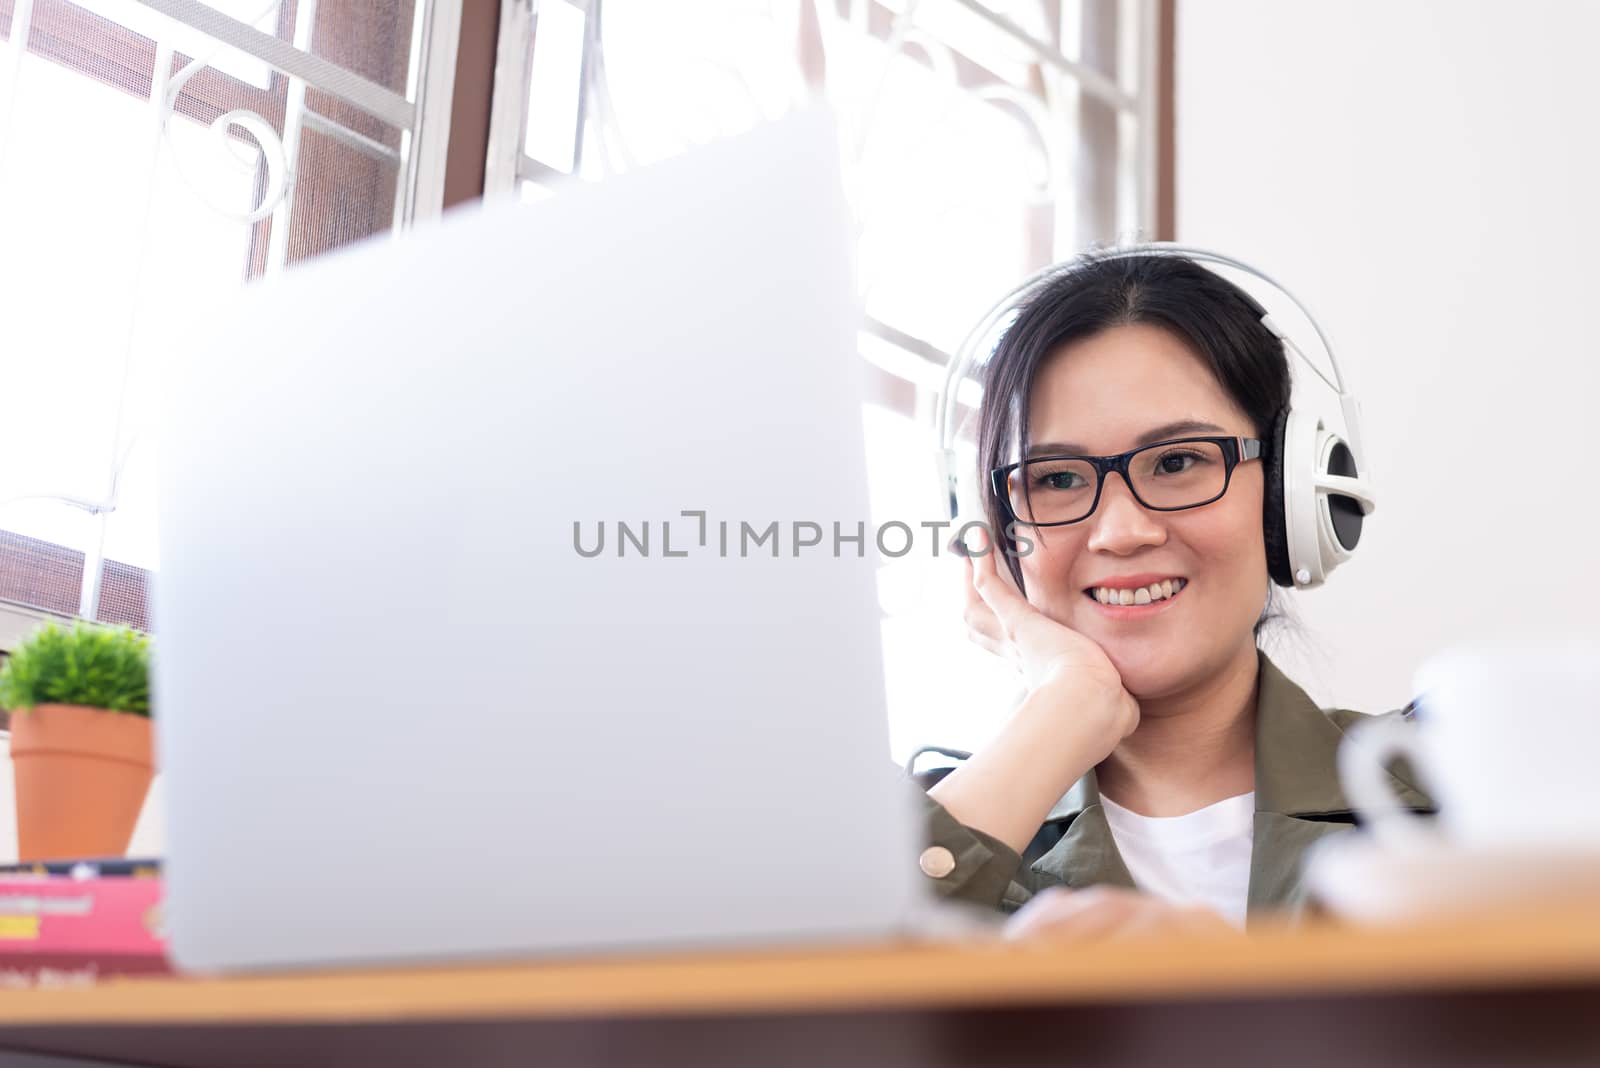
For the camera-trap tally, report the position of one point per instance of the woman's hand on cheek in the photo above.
(1076, 712)
(1108, 912)
(1051, 656)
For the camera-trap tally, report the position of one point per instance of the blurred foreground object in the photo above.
(60, 930)
(1504, 737)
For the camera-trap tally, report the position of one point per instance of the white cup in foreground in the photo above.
(1506, 740)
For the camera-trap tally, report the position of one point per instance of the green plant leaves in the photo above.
(92, 665)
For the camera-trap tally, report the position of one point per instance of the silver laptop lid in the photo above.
(402, 714)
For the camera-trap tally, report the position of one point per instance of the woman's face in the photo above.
(1106, 394)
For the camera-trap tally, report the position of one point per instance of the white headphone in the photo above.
(1318, 483)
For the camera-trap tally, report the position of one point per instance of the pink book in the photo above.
(56, 930)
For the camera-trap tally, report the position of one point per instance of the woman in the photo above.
(1161, 772)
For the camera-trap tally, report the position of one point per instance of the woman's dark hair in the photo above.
(1214, 317)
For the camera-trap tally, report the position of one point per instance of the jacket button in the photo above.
(936, 862)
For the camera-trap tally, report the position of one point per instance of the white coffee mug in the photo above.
(1505, 739)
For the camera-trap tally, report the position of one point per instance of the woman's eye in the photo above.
(1176, 463)
(1060, 480)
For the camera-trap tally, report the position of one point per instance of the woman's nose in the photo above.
(1121, 524)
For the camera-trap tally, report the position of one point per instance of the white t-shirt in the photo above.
(1202, 857)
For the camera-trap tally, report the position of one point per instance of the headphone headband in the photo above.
(966, 353)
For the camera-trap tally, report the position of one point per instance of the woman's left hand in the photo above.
(1105, 912)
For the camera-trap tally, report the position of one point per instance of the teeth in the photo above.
(1158, 591)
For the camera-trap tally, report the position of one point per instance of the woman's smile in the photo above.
(1139, 597)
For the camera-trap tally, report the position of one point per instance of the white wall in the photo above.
(1426, 175)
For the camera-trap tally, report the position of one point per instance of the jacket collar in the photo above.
(1298, 801)
(1297, 753)
(1296, 759)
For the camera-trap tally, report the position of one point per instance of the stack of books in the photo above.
(77, 923)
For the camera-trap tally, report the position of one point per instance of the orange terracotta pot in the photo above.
(81, 778)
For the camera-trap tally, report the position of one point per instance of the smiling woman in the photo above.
(1135, 426)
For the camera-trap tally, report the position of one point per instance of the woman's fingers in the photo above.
(1182, 919)
(983, 627)
(1011, 610)
(998, 646)
(1077, 915)
(1001, 620)
(1100, 912)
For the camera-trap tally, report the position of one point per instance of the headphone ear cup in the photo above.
(1274, 518)
(1344, 513)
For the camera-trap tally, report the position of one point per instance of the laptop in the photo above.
(489, 619)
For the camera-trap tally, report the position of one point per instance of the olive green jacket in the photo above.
(1298, 801)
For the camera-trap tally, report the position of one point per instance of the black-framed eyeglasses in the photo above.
(1168, 476)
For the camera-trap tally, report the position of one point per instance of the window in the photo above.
(981, 142)
(154, 155)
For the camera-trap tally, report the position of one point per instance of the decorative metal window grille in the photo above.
(983, 139)
(153, 155)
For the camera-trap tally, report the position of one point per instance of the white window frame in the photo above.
(422, 115)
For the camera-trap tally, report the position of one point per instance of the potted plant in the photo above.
(81, 747)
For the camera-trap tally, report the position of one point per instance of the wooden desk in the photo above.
(1507, 988)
